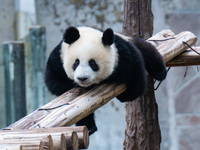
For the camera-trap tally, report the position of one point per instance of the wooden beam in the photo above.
(174, 47)
(170, 45)
(81, 106)
(70, 140)
(187, 58)
(74, 137)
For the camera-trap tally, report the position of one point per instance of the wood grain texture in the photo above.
(174, 47)
(71, 138)
(187, 58)
(142, 130)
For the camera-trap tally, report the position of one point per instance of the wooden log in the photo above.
(9, 147)
(18, 146)
(55, 141)
(70, 140)
(14, 78)
(46, 144)
(160, 37)
(81, 107)
(28, 143)
(29, 147)
(187, 58)
(92, 100)
(63, 142)
(172, 48)
(39, 114)
(83, 137)
(40, 133)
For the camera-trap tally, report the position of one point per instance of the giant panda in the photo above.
(87, 56)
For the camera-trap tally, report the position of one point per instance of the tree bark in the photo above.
(143, 130)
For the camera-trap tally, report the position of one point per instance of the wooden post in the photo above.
(35, 51)
(14, 81)
(143, 130)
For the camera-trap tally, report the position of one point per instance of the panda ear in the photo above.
(108, 37)
(71, 34)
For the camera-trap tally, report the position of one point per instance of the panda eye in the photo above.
(93, 65)
(75, 65)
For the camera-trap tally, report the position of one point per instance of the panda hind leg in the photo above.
(89, 122)
(154, 63)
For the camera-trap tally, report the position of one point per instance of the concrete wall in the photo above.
(6, 33)
(59, 14)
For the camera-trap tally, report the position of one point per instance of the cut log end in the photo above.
(70, 140)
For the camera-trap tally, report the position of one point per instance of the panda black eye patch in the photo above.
(75, 65)
(93, 65)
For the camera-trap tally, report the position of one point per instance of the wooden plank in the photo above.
(14, 80)
(187, 58)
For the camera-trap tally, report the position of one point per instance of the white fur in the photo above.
(89, 46)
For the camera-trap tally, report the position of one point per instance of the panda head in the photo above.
(89, 56)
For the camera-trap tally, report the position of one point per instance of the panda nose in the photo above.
(82, 78)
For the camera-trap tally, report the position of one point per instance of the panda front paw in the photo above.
(160, 75)
(92, 130)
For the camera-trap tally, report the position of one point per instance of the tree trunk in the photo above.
(143, 130)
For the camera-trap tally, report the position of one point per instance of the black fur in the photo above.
(93, 65)
(153, 61)
(133, 62)
(108, 37)
(75, 65)
(89, 122)
(55, 76)
(130, 70)
(71, 35)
